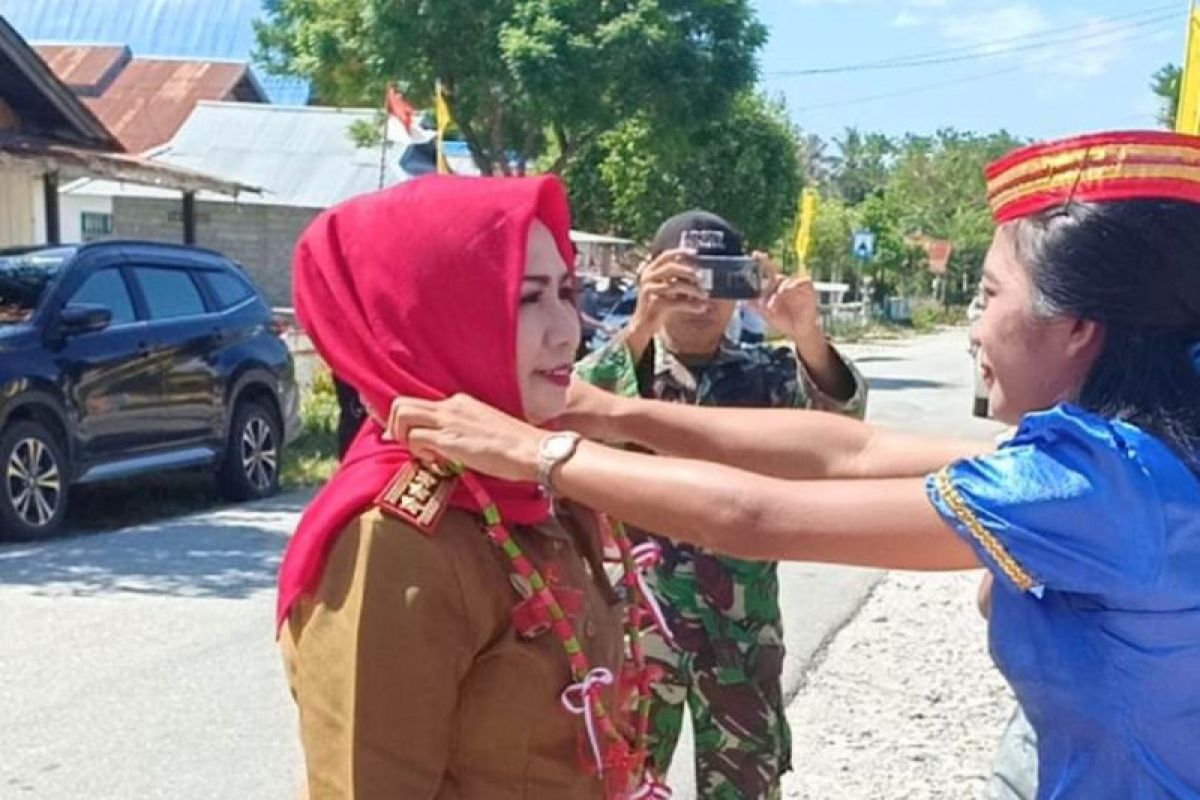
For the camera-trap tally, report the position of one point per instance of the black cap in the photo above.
(726, 241)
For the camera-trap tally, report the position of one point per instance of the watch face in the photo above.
(558, 446)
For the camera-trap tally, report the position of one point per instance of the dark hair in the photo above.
(1133, 266)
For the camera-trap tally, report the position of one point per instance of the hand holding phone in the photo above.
(730, 277)
(725, 275)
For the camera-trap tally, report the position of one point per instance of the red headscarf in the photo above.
(414, 291)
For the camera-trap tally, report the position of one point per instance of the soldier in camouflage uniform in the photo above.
(727, 658)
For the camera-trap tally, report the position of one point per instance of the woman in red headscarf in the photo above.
(447, 635)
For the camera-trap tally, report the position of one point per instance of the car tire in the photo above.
(981, 408)
(33, 483)
(253, 454)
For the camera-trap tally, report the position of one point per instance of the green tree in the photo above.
(829, 255)
(1165, 84)
(744, 166)
(862, 164)
(817, 164)
(936, 188)
(523, 77)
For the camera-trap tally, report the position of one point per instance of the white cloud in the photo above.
(1001, 28)
(986, 28)
(907, 19)
(1101, 46)
(928, 3)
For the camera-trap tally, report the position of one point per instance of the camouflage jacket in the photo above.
(724, 607)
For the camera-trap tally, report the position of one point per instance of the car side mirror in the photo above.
(82, 318)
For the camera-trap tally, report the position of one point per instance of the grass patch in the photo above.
(927, 318)
(852, 333)
(312, 458)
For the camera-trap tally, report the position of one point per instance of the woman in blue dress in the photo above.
(1088, 517)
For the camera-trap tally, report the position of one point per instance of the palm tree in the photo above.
(1165, 84)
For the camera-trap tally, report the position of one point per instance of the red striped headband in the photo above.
(1120, 165)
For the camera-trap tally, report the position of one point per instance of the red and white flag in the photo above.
(399, 108)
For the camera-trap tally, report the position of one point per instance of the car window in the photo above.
(169, 292)
(229, 289)
(107, 288)
(24, 279)
(626, 307)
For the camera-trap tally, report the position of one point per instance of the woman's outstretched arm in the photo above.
(784, 443)
(887, 523)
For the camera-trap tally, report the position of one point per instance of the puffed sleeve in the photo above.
(378, 663)
(1068, 504)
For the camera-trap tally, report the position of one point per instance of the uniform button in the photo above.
(589, 628)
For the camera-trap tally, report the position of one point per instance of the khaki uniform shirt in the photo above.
(411, 682)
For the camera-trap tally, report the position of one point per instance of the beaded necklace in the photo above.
(618, 755)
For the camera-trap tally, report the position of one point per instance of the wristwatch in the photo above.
(553, 451)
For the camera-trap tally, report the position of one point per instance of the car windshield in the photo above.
(24, 278)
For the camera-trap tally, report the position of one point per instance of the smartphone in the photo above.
(730, 277)
(724, 277)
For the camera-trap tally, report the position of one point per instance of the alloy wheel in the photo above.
(34, 482)
(260, 456)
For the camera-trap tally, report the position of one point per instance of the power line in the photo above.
(981, 50)
(972, 49)
(1028, 37)
(942, 84)
(1094, 35)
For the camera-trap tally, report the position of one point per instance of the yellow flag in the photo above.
(1187, 114)
(808, 212)
(443, 122)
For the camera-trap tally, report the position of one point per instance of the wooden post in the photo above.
(53, 223)
(189, 217)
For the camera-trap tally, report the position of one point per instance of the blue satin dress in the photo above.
(1092, 528)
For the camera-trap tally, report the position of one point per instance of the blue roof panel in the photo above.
(218, 29)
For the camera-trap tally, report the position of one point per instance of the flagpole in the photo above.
(442, 113)
(1187, 109)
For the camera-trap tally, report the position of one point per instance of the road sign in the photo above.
(863, 246)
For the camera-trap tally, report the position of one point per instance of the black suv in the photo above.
(125, 358)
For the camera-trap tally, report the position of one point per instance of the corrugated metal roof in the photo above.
(86, 69)
(151, 98)
(204, 29)
(300, 155)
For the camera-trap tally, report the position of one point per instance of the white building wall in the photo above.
(71, 208)
(22, 217)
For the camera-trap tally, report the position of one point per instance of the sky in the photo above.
(1036, 68)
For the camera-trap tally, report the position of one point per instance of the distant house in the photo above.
(144, 101)
(48, 137)
(303, 158)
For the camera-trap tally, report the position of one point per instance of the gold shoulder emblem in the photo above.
(419, 495)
